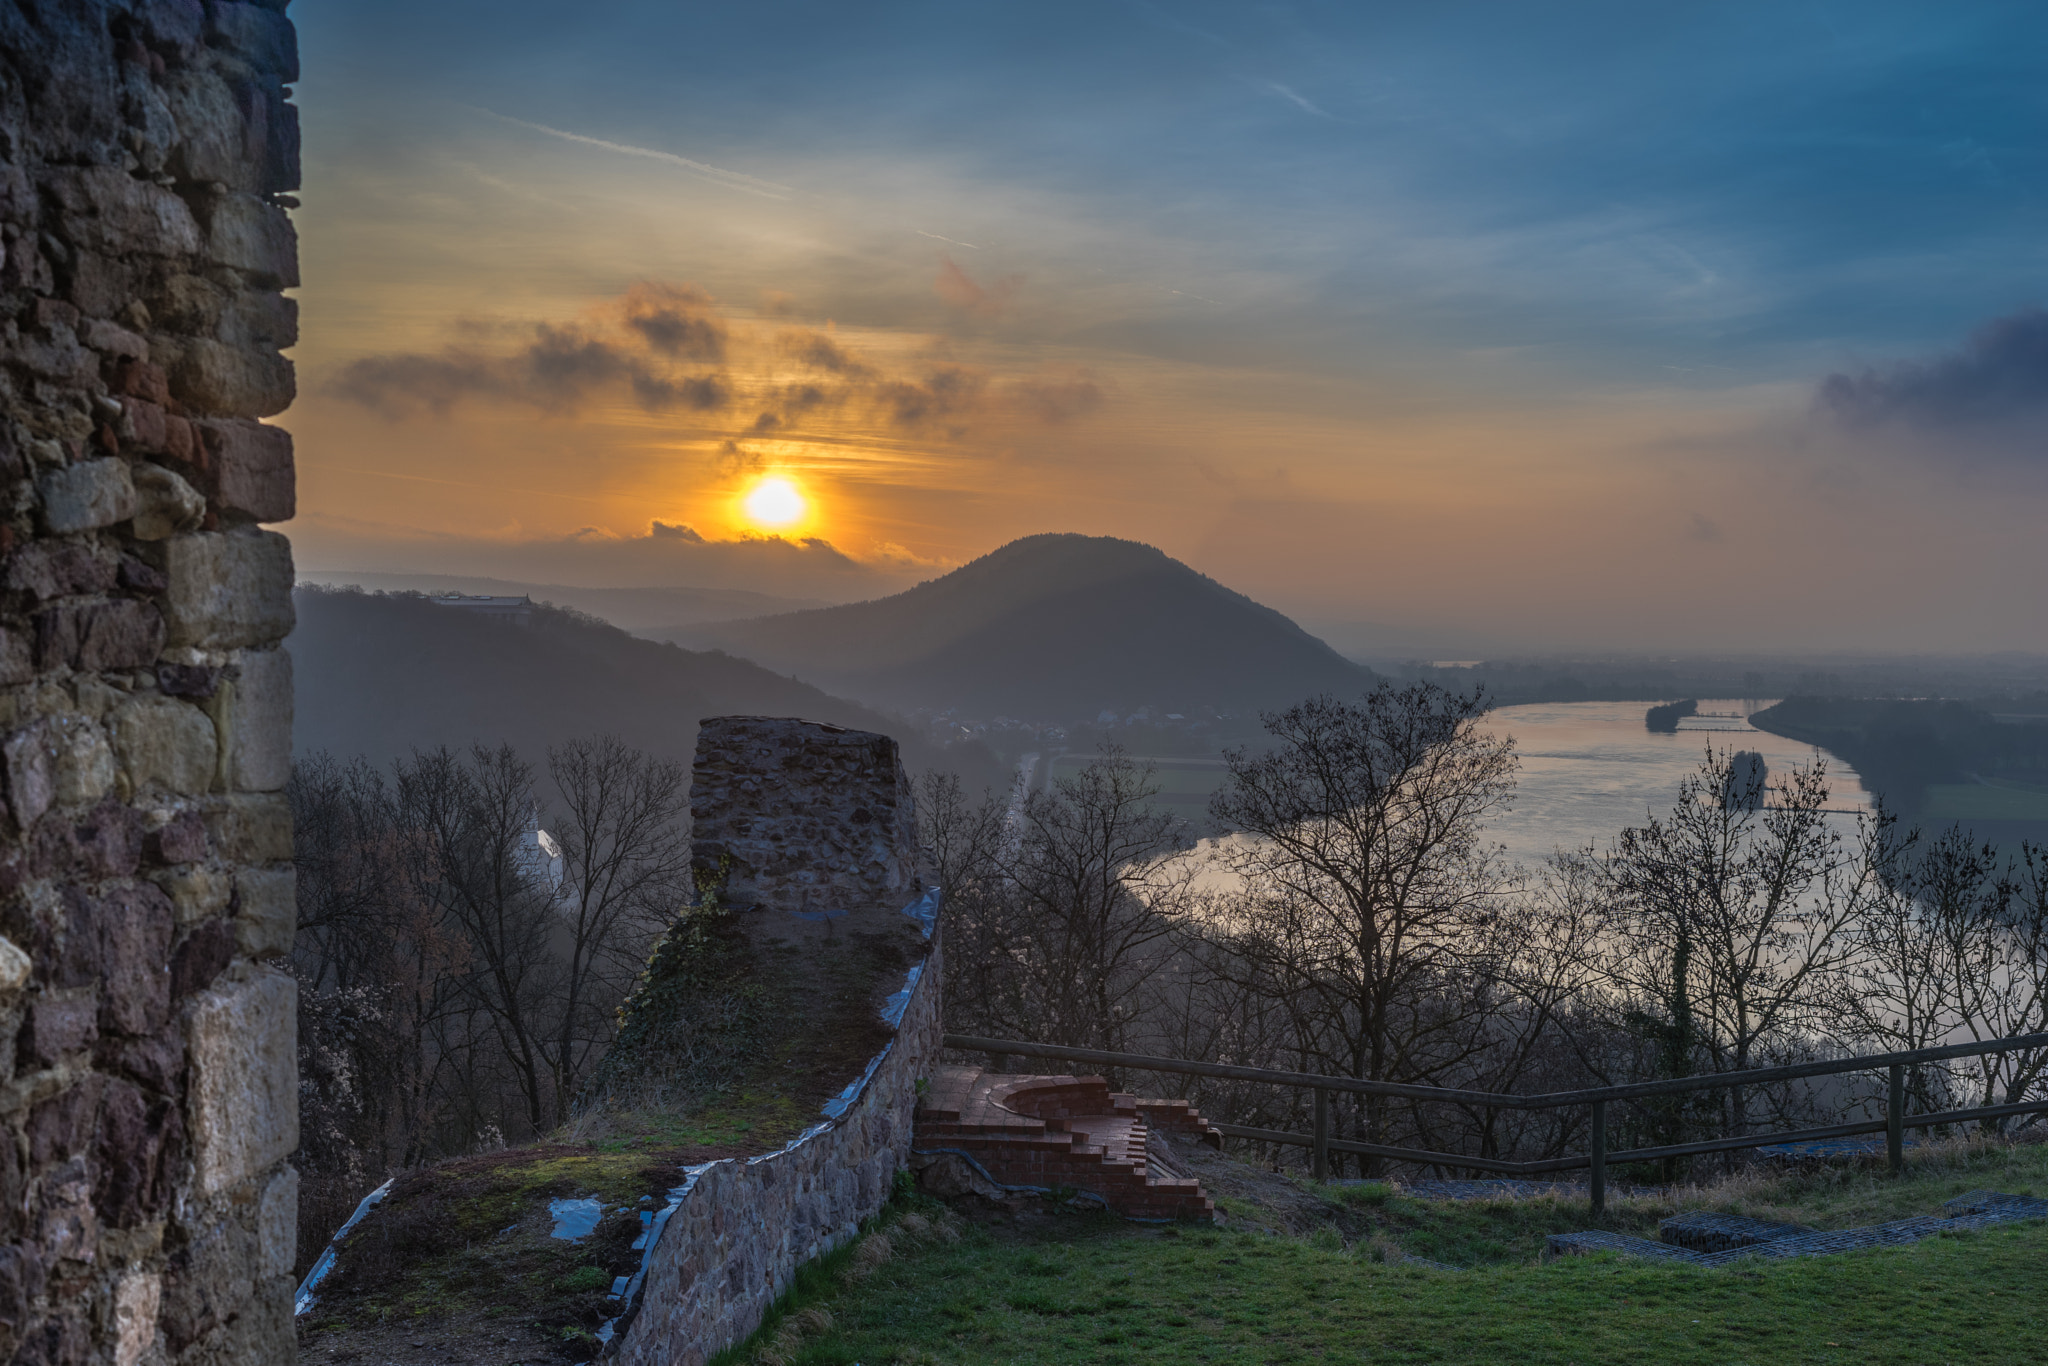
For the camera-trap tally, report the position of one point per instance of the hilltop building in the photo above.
(518, 611)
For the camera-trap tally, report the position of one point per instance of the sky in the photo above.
(1480, 326)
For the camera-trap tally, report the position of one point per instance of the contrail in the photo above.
(954, 240)
(735, 180)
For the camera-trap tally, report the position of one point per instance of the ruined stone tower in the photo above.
(149, 1098)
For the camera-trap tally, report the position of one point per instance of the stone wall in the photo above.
(818, 826)
(733, 1244)
(803, 816)
(149, 1100)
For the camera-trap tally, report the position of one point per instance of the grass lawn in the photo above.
(925, 1288)
(1086, 1289)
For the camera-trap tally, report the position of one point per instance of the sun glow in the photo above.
(774, 502)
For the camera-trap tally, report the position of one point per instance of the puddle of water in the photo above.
(575, 1219)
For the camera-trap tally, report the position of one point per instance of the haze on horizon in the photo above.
(1583, 325)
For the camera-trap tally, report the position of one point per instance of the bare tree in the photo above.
(1730, 919)
(1055, 923)
(626, 873)
(1366, 876)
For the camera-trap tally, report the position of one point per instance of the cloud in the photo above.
(1991, 394)
(718, 175)
(1295, 98)
(674, 320)
(644, 348)
(629, 351)
(944, 391)
(1701, 527)
(821, 352)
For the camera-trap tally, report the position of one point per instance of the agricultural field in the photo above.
(1993, 800)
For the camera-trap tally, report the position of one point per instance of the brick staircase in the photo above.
(1065, 1131)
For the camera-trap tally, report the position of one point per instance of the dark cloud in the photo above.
(635, 348)
(673, 319)
(945, 391)
(1994, 387)
(702, 393)
(821, 352)
(663, 531)
(394, 385)
(561, 366)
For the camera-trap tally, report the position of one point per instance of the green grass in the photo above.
(760, 1119)
(1092, 1289)
(1978, 802)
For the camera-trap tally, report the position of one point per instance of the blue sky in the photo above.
(1309, 256)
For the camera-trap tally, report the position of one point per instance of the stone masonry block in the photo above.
(123, 634)
(252, 469)
(166, 504)
(137, 1298)
(277, 1225)
(59, 569)
(17, 657)
(228, 590)
(31, 773)
(252, 828)
(263, 37)
(196, 893)
(267, 910)
(164, 743)
(244, 1088)
(257, 727)
(251, 235)
(86, 496)
(111, 212)
(82, 762)
(237, 380)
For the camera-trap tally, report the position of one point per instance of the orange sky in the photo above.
(523, 352)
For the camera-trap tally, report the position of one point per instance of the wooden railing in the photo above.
(1595, 1163)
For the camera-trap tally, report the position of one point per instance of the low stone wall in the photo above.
(734, 1243)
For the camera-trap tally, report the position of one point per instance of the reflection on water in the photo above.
(1591, 768)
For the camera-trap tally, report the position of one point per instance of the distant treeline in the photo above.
(1901, 749)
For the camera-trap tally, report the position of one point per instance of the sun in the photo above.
(774, 502)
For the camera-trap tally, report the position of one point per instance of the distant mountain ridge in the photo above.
(1050, 627)
(636, 609)
(381, 675)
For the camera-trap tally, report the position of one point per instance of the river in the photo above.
(1591, 768)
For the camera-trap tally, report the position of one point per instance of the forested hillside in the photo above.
(1054, 627)
(382, 675)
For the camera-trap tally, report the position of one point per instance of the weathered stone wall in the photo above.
(808, 816)
(734, 1244)
(815, 820)
(149, 1099)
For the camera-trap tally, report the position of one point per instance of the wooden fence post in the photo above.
(1895, 1120)
(1596, 1179)
(1321, 1165)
